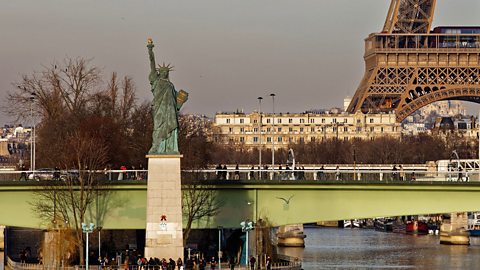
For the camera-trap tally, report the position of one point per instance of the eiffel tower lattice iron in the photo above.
(408, 66)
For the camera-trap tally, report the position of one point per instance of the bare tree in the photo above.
(193, 142)
(69, 201)
(70, 95)
(199, 202)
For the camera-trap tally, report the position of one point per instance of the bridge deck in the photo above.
(279, 201)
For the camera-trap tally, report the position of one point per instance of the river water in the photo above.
(332, 248)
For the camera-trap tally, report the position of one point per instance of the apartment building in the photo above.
(255, 129)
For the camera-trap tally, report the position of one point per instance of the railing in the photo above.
(42, 175)
(284, 265)
(329, 174)
(445, 42)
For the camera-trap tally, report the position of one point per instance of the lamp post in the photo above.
(32, 138)
(354, 164)
(99, 227)
(87, 229)
(260, 124)
(32, 98)
(246, 227)
(273, 134)
(220, 247)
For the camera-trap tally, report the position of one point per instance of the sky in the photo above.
(226, 53)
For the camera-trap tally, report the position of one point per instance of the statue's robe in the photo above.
(165, 116)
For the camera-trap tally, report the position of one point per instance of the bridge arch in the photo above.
(421, 96)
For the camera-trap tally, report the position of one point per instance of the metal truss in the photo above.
(407, 67)
(409, 16)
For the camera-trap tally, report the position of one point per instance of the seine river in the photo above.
(331, 248)
(328, 248)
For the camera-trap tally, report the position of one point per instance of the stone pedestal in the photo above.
(2, 237)
(164, 235)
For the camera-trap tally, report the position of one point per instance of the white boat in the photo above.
(474, 223)
(348, 223)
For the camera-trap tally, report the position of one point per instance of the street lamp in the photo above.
(246, 227)
(273, 134)
(260, 124)
(220, 247)
(32, 139)
(87, 229)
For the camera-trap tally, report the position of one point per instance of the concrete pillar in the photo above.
(164, 235)
(2, 237)
(459, 220)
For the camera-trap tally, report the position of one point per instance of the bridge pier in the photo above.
(454, 231)
(164, 235)
(2, 237)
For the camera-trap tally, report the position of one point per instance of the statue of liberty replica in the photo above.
(163, 234)
(165, 106)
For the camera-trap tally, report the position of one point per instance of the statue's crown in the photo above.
(164, 67)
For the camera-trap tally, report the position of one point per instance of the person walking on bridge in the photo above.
(402, 173)
(252, 263)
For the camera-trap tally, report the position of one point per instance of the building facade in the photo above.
(280, 130)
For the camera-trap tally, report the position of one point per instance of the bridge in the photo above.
(280, 201)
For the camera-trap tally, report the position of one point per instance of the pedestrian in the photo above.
(413, 176)
(122, 175)
(338, 176)
(171, 264)
(23, 256)
(218, 170)
(320, 173)
(141, 173)
(180, 264)
(202, 264)
(232, 263)
(394, 173)
(237, 173)
(252, 263)
(56, 173)
(23, 174)
(213, 263)
(252, 173)
(105, 261)
(225, 172)
(268, 263)
(279, 173)
(402, 173)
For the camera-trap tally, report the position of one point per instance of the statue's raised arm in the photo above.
(153, 70)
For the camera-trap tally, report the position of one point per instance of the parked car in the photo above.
(46, 174)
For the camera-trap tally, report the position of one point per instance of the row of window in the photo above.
(302, 121)
(312, 129)
(282, 139)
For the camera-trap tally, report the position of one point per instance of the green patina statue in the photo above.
(165, 106)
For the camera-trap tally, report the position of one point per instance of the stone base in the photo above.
(164, 234)
(2, 237)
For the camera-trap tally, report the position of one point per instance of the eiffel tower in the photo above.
(408, 65)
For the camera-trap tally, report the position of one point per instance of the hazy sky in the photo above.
(226, 53)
